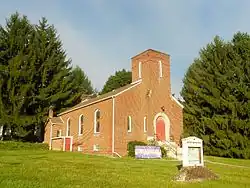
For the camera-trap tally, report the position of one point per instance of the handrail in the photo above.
(171, 146)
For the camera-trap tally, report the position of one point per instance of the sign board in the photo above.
(147, 152)
(192, 152)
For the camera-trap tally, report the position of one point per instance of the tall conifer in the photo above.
(217, 97)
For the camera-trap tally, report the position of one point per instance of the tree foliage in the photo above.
(119, 79)
(216, 92)
(34, 75)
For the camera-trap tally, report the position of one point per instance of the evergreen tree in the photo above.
(35, 74)
(16, 73)
(216, 92)
(120, 79)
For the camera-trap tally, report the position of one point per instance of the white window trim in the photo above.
(79, 148)
(145, 124)
(139, 69)
(96, 147)
(130, 124)
(95, 121)
(60, 133)
(80, 125)
(160, 68)
(67, 130)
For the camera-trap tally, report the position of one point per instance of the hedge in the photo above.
(14, 145)
(131, 147)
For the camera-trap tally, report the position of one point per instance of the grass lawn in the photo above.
(33, 169)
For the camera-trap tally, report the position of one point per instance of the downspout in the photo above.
(50, 144)
(113, 127)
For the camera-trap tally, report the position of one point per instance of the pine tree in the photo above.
(216, 94)
(56, 83)
(16, 81)
(35, 74)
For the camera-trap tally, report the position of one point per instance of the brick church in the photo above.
(142, 110)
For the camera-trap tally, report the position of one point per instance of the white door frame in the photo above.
(71, 142)
(166, 122)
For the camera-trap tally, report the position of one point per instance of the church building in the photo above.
(142, 110)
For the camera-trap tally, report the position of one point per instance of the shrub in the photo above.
(131, 147)
(163, 152)
(13, 145)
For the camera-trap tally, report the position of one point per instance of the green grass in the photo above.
(14, 145)
(27, 168)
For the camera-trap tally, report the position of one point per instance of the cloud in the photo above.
(102, 36)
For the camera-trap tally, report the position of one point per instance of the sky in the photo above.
(101, 36)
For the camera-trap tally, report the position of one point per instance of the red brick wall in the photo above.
(136, 103)
(133, 102)
(88, 139)
(57, 144)
(47, 132)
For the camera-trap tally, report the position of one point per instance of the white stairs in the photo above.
(173, 150)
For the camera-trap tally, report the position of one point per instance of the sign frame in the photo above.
(192, 152)
(148, 152)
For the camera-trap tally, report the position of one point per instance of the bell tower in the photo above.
(152, 67)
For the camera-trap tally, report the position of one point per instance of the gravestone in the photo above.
(192, 152)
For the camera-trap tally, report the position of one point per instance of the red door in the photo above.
(160, 129)
(67, 144)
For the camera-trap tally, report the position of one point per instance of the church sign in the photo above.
(147, 152)
(192, 152)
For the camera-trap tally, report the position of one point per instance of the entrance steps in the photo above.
(173, 150)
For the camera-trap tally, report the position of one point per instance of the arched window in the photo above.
(68, 127)
(80, 127)
(160, 69)
(58, 133)
(129, 124)
(145, 124)
(139, 69)
(97, 121)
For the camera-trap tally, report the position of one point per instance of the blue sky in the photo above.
(102, 35)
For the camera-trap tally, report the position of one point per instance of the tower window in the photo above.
(160, 68)
(139, 69)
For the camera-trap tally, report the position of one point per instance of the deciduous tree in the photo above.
(119, 79)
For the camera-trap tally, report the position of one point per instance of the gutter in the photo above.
(113, 127)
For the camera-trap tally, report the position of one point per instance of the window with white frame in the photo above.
(139, 70)
(68, 127)
(129, 124)
(96, 147)
(145, 124)
(79, 148)
(80, 126)
(160, 68)
(97, 121)
(58, 133)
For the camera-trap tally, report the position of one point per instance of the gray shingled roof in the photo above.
(100, 97)
(56, 120)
